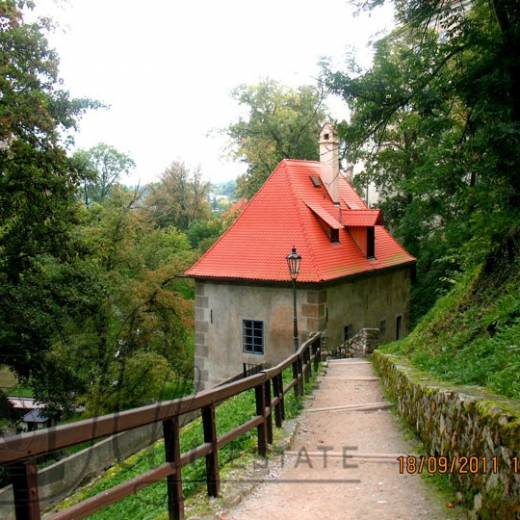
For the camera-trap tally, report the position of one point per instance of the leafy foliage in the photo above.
(180, 198)
(472, 335)
(91, 308)
(104, 166)
(202, 233)
(224, 188)
(282, 123)
(436, 122)
(137, 331)
(37, 185)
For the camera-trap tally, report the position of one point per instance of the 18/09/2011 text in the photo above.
(417, 464)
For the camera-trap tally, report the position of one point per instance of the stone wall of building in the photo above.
(369, 302)
(219, 311)
(221, 307)
(454, 422)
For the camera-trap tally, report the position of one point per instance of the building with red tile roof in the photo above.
(289, 210)
(350, 264)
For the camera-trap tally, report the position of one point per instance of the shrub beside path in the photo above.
(348, 412)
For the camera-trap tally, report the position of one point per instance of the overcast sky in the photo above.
(167, 67)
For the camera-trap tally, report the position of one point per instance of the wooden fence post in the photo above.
(210, 435)
(24, 477)
(269, 418)
(282, 398)
(309, 364)
(295, 377)
(278, 393)
(307, 361)
(317, 354)
(172, 448)
(300, 374)
(262, 427)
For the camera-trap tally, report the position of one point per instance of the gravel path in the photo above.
(303, 485)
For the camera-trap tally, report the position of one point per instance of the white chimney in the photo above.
(329, 157)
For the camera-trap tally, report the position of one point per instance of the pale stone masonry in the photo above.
(362, 344)
(340, 308)
(477, 432)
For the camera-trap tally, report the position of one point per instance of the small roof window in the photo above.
(316, 182)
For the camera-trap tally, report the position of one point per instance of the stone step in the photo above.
(382, 405)
(349, 454)
(334, 378)
(349, 363)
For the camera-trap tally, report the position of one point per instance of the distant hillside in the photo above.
(472, 335)
(222, 195)
(224, 188)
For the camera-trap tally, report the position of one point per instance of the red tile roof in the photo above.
(361, 217)
(328, 219)
(279, 216)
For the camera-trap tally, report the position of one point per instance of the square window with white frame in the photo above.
(253, 336)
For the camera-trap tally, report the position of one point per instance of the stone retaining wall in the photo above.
(456, 421)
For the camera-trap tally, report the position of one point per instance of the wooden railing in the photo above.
(249, 369)
(19, 453)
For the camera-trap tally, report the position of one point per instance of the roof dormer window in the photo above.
(371, 242)
(328, 223)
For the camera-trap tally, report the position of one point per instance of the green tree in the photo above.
(137, 335)
(436, 123)
(38, 180)
(202, 233)
(282, 123)
(104, 166)
(179, 198)
(91, 307)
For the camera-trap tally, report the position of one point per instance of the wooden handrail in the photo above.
(19, 452)
(31, 444)
(90, 505)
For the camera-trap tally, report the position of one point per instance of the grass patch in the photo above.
(150, 503)
(7, 378)
(472, 335)
(19, 391)
(10, 386)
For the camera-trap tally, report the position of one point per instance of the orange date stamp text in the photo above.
(417, 464)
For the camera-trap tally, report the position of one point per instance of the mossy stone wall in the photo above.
(455, 421)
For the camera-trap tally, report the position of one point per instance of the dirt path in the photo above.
(303, 485)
